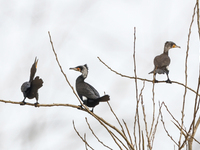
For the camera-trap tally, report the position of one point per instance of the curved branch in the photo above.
(86, 143)
(42, 105)
(96, 135)
(126, 76)
(86, 108)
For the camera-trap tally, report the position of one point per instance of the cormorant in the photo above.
(161, 62)
(86, 90)
(30, 88)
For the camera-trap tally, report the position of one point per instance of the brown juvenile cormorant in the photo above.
(161, 62)
(30, 88)
(86, 90)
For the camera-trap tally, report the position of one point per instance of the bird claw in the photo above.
(92, 110)
(36, 104)
(23, 103)
(81, 107)
(168, 81)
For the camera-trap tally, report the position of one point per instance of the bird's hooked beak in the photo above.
(36, 61)
(176, 46)
(75, 68)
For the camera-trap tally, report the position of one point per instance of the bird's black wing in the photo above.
(88, 91)
(35, 85)
(25, 86)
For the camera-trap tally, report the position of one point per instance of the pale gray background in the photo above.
(82, 30)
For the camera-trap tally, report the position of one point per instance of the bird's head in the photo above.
(83, 69)
(169, 45)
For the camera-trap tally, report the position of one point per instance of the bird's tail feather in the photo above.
(104, 98)
(37, 83)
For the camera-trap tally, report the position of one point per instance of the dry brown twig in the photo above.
(127, 131)
(117, 119)
(146, 126)
(85, 143)
(142, 79)
(96, 135)
(155, 127)
(101, 120)
(185, 133)
(81, 136)
(153, 101)
(137, 118)
(186, 75)
(162, 120)
(198, 16)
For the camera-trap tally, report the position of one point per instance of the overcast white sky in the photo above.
(82, 30)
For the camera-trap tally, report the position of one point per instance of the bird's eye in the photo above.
(79, 69)
(173, 45)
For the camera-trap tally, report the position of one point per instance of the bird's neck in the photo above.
(81, 78)
(166, 51)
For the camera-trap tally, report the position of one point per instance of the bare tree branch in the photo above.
(186, 61)
(85, 143)
(185, 133)
(145, 122)
(128, 132)
(41, 105)
(116, 119)
(166, 129)
(198, 23)
(126, 76)
(81, 136)
(155, 127)
(96, 136)
(137, 118)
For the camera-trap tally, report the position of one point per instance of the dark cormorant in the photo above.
(30, 88)
(86, 90)
(161, 62)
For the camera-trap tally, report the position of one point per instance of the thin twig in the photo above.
(166, 129)
(155, 127)
(198, 16)
(41, 105)
(153, 101)
(102, 121)
(117, 119)
(113, 135)
(127, 131)
(81, 136)
(96, 136)
(185, 133)
(118, 122)
(126, 76)
(137, 118)
(186, 61)
(85, 143)
(61, 66)
(145, 122)
(66, 76)
(170, 114)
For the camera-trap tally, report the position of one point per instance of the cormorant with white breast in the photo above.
(86, 90)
